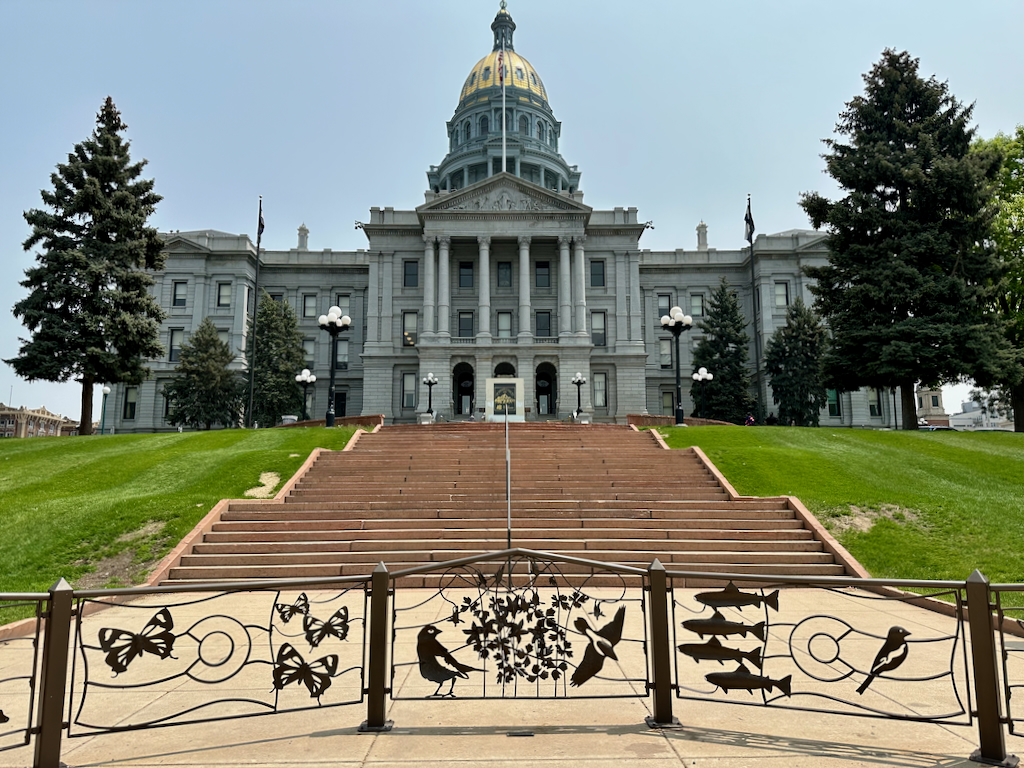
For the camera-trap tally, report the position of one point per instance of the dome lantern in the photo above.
(503, 27)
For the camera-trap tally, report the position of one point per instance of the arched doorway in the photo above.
(504, 370)
(462, 377)
(547, 390)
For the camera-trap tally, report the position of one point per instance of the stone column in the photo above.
(579, 284)
(372, 300)
(564, 288)
(444, 287)
(429, 285)
(524, 287)
(484, 312)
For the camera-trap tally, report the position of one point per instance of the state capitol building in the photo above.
(500, 273)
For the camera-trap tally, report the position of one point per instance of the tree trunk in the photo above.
(85, 421)
(909, 402)
(1017, 401)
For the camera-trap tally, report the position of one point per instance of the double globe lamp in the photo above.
(334, 323)
(675, 322)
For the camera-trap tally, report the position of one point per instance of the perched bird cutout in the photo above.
(892, 653)
(436, 664)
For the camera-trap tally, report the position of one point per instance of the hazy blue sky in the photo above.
(328, 108)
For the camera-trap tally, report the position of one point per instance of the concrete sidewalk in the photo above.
(576, 731)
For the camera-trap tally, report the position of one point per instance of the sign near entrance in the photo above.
(505, 400)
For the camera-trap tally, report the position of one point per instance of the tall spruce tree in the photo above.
(89, 309)
(279, 356)
(206, 391)
(723, 351)
(911, 276)
(793, 360)
(1008, 236)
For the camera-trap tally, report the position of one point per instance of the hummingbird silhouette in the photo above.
(892, 653)
(602, 646)
(436, 664)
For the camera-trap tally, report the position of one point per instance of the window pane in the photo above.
(179, 294)
(309, 351)
(177, 336)
(342, 359)
(597, 334)
(543, 323)
(504, 325)
(342, 300)
(224, 337)
(543, 274)
(223, 294)
(665, 352)
(834, 406)
(412, 274)
(782, 294)
(465, 274)
(875, 402)
(667, 406)
(935, 401)
(600, 390)
(309, 305)
(697, 304)
(131, 396)
(465, 324)
(408, 390)
(504, 274)
(597, 274)
(664, 305)
(409, 328)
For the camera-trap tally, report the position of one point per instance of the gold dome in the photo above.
(519, 74)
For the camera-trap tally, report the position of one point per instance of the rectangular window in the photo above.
(465, 274)
(177, 337)
(223, 294)
(697, 304)
(543, 273)
(167, 403)
(278, 297)
(409, 328)
(342, 359)
(668, 406)
(408, 390)
(600, 390)
(179, 294)
(248, 298)
(342, 300)
(543, 323)
(935, 401)
(224, 337)
(504, 325)
(664, 305)
(875, 401)
(597, 335)
(920, 403)
(597, 274)
(835, 407)
(309, 305)
(465, 324)
(504, 274)
(665, 352)
(309, 351)
(131, 399)
(782, 294)
(411, 278)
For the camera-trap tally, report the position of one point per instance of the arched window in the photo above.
(533, 78)
(456, 137)
(466, 131)
(508, 120)
(540, 130)
(485, 126)
(472, 80)
(524, 125)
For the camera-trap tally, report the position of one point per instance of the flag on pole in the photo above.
(259, 229)
(501, 67)
(748, 221)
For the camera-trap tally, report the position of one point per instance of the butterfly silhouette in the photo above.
(300, 606)
(4, 718)
(292, 668)
(317, 631)
(123, 647)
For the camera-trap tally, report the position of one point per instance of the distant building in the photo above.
(973, 416)
(930, 408)
(39, 422)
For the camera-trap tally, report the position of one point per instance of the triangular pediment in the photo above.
(178, 243)
(503, 193)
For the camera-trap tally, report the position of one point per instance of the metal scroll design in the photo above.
(768, 647)
(220, 656)
(483, 634)
(19, 684)
(1012, 654)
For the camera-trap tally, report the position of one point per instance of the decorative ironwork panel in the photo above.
(483, 634)
(19, 673)
(1011, 645)
(225, 655)
(844, 651)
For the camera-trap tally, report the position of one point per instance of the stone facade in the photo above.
(34, 422)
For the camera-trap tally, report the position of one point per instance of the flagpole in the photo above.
(748, 221)
(504, 118)
(255, 304)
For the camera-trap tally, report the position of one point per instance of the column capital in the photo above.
(579, 240)
(444, 240)
(429, 240)
(484, 240)
(524, 241)
(564, 241)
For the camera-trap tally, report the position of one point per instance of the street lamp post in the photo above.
(675, 322)
(305, 379)
(103, 408)
(430, 380)
(334, 323)
(702, 377)
(579, 380)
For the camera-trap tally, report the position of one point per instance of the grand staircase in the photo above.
(409, 495)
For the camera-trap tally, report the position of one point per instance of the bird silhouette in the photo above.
(892, 653)
(602, 646)
(436, 664)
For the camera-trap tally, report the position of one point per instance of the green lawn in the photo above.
(67, 504)
(941, 503)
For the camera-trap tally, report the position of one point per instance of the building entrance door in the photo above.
(463, 378)
(547, 390)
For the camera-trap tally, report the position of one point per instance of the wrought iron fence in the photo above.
(511, 624)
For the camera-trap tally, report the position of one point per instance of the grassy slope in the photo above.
(66, 503)
(967, 490)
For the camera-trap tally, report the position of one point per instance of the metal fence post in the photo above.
(660, 648)
(377, 683)
(53, 677)
(986, 676)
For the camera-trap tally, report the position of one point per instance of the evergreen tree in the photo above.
(1008, 236)
(89, 309)
(793, 360)
(724, 353)
(911, 276)
(206, 391)
(279, 357)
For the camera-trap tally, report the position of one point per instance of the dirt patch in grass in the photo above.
(861, 519)
(123, 567)
(268, 482)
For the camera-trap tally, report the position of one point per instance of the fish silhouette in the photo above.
(713, 650)
(719, 625)
(741, 679)
(731, 597)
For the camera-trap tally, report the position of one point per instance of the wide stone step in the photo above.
(570, 510)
